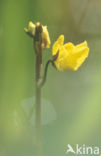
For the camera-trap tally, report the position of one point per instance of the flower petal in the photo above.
(84, 44)
(57, 45)
(75, 60)
(46, 37)
(69, 46)
(61, 61)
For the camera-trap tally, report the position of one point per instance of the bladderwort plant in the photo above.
(64, 57)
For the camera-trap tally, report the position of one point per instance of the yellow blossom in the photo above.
(70, 57)
(31, 30)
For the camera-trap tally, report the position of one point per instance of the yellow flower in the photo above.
(70, 57)
(31, 30)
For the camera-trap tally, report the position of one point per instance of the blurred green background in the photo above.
(71, 101)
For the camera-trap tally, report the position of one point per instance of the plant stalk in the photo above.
(38, 51)
(38, 98)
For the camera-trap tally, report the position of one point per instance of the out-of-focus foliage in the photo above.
(75, 96)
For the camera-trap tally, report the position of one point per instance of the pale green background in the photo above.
(74, 97)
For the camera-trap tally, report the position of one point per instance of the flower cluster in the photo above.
(32, 28)
(68, 56)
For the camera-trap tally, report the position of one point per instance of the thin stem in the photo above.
(38, 105)
(45, 72)
(38, 47)
(40, 83)
(38, 99)
(54, 57)
(38, 50)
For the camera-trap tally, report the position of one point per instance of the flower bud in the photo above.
(46, 38)
(31, 28)
(39, 33)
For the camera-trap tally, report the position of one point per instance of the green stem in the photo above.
(45, 72)
(38, 50)
(43, 80)
(38, 98)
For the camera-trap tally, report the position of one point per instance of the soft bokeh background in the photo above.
(71, 101)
